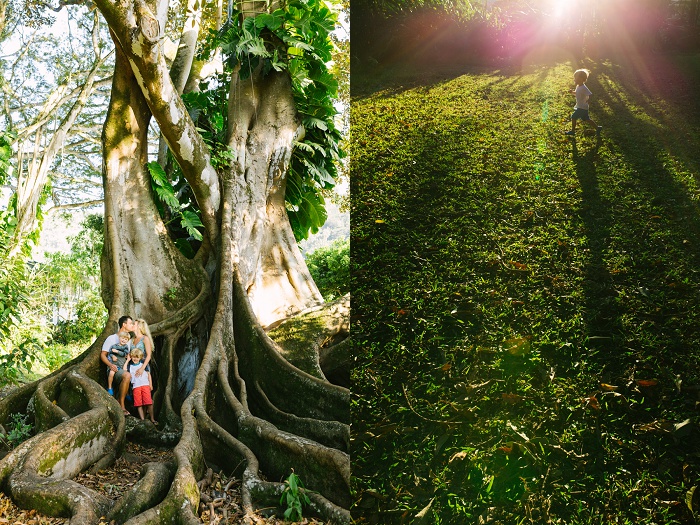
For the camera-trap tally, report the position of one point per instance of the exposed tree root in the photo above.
(41, 479)
(225, 396)
(150, 490)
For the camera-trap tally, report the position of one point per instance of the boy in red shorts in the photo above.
(140, 385)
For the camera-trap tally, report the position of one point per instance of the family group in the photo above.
(127, 355)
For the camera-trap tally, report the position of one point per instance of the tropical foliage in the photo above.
(50, 309)
(330, 268)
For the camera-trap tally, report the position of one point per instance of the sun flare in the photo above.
(562, 8)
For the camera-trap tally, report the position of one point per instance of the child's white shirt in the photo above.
(137, 381)
(582, 94)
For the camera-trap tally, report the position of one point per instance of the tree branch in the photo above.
(73, 206)
(151, 71)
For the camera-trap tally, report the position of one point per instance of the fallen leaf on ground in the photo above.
(518, 346)
(511, 398)
(646, 383)
(592, 402)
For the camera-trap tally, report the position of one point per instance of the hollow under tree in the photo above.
(224, 394)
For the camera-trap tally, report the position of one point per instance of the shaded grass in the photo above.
(525, 307)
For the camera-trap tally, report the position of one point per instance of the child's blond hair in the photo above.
(124, 333)
(582, 75)
(137, 354)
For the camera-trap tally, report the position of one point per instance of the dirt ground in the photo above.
(221, 500)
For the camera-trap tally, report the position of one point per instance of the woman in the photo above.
(144, 341)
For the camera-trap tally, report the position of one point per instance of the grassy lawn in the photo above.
(526, 308)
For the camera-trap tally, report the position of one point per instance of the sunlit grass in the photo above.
(502, 275)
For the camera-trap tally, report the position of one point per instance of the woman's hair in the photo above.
(143, 326)
(581, 74)
(136, 353)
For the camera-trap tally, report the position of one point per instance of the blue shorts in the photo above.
(580, 114)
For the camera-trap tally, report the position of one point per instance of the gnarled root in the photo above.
(247, 407)
(41, 478)
(151, 489)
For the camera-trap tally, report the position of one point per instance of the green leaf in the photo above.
(196, 100)
(689, 498)
(185, 248)
(190, 221)
(315, 122)
(157, 173)
(272, 22)
(167, 196)
(293, 482)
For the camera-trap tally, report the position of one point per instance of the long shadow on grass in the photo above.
(641, 320)
(394, 80)
(659, 235)
(397, 79)
(670, 215)
(601, 314)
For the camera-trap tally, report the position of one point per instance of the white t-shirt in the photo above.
(111, 341)
(137, 381)
(582, 94)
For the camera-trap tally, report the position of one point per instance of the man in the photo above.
(122, 378)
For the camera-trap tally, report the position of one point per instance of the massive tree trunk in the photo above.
(224, 394)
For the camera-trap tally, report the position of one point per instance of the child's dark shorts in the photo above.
(580, 114)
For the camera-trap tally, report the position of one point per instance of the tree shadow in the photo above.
(392, 80)
(669, 214)
(642, 225)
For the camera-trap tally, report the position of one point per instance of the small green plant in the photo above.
(170, 298)
(294, 498)
(20, 431)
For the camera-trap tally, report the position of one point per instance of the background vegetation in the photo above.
(525, 308)
(330, 268)
(56, 304)
(484, 31)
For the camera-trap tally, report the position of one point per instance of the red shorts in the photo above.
(142, 396)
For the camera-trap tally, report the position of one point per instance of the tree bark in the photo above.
(224, 393)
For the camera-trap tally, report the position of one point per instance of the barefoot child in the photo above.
(581, 108)
(141, 388)
(118, 354)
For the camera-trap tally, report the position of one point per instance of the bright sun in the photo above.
(562, 8)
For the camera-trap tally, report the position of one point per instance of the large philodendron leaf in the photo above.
(307, 213)
(190, 221)
(168, 196)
